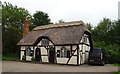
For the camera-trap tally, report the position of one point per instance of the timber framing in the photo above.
(66, 43)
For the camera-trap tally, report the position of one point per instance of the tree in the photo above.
(41, 18)
(89, 26)
(12, 26)
(115, 32)
(107, 35)
(101, 32)
(61, 21)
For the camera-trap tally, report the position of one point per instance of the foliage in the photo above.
(118, 72)
(110, 50)
(33, 58)
(41, 18)
(117, 65)
(89, 26)
(61, 21)
(23, 58)
(13, 18)
(10, 57)
(106, 35)
(12, 26)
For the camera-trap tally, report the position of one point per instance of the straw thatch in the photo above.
(59, 34)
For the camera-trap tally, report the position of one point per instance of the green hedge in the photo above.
(113, 51)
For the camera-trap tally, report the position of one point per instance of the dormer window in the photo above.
(44, 42)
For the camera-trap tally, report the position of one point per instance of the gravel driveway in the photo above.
(15, 66)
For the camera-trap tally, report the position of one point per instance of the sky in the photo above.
(89, 11)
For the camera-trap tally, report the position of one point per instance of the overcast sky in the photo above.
(91, 11)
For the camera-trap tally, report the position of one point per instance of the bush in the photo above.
(33, 58)
(10, 57)
(23, 58)
(111, 50)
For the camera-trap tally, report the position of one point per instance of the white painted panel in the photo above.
(28, 58)
(39, 43)
(75, 52)
(45, 59)
(88, 41)
(73, 60)
(31, 47)
(50, 43)
(43, 51)
(22, 53)
(74, 47)
(62, 60)
(82, 59)
(22, 47)
(84, 48)
(81, 40)
(86, 55)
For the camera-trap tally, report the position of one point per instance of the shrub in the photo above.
(113, 51)
(23, 58)
(33, 58)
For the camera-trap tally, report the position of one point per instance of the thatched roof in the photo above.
(59, 34)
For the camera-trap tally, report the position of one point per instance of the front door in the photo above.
(51, 55)
(37, 54)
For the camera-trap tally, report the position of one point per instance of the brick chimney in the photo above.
(26, 27)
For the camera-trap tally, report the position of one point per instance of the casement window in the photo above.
(45, 42)
(63, 53)
(29, 52)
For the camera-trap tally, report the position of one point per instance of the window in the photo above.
(28, 51)
(63, 53)
(45, 42)
(85, 40)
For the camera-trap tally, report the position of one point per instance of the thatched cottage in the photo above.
(63, 43)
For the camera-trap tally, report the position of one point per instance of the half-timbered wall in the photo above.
(83, 52)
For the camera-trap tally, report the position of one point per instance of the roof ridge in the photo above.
(73, 23)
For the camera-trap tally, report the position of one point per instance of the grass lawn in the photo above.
(117, 65)
(118, 72)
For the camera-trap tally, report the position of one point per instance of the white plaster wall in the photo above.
(21, 54)
(50, 43)
(62, 60)
(43, 51)
(45, 59)
(22, 47)
(81, 39)
(31, 47)
(28, 58)
(73, 60)
(84, 48)
(39, 43)
(88, 41)
(74, 47)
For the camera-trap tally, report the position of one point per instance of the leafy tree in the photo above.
(12, 26)
(101, 32)
(106, 35)
(41, 18)
(89, 26)
(61, 21)
(115, 32)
